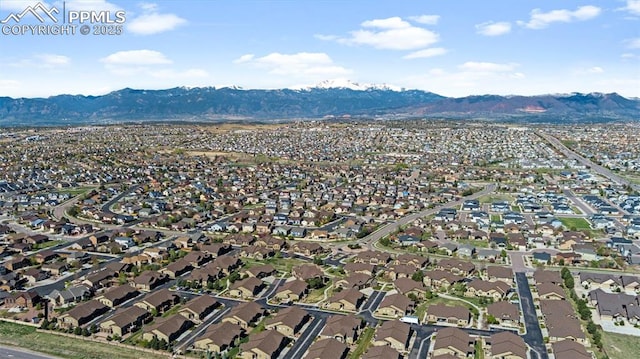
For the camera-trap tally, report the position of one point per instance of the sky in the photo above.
(452, 48)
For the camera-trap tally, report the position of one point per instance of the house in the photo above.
(382, 352)
(483, 288)
(547, 276)
(308, 249)
(177, 268)
(507, 345)
(454, 315)
(364, 268)
(453, 342)
(394, 334)
(561, 320)
(246, 288)
(327, 348)
(292, 291)
(73, 294)
(82, 314)
(167, 329)
(438, 279)
(346, 300)
(504, 274)
(372, 257)
(550, 291)
(125, 320)
(395, 305)
(396, 271)
(567, 349)
(216, 249)
(199, 308)
(220, 337)
(34, 275)
(28, 299)
(149, 280)
(226, 264)
(344, 328)
(356, 281)
(245, 314)
(261, 271)
(288, 321)
(409, 286)
(507, 314)
(308, 271)
(197, 258)
(266, 344)
(159, 301)
(542, 257)
(118, 295)
(456, 266)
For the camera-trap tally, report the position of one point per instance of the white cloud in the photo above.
(178, 75)
(633, 43)
(473, 66)
(595, 70)
(301, 64)
(244, 58)
(540, 20)
(426, 19)
(391, 33)
(136, 58)
(9, 84)
(633, 6)
(152, 22)
(493, 28)
(426, 53)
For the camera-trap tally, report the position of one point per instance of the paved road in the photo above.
(387, 229)
(533, 337)
(594, 167)
(18, 353)
(303, 343)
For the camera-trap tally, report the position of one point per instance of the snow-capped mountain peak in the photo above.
(348, 84)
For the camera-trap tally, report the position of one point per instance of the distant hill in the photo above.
(326, 100)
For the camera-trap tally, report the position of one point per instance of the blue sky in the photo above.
(453, 48)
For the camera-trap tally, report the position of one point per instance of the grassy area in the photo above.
(317, 294)
(172, 311)
(515, 208)
(44, 245)
(479, 243)
(26, 337)
(495, 198)
(75, 191)
(363, 343)
(577, 223)
(495, 218)
(282, 265)
(478, 352)
(620, 346)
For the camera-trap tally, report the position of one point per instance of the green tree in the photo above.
(491, 319)
(418, 276)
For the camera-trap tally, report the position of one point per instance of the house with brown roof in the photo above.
(267, 344)
(204, 275)
(418, 262)
(455, 315)
(197, 258)
(177, 268)
(308, 249)
(438, 279)
(199, 308)
(497, 273)
(220, 337)
(397, 271)
(288, 321)
(245, 314)
(395, 306)
(226, 263)
(167, 329)
(292, 291)
(355, 281)
(547, 276)
(507, 314)
(270, 242)
(149, 280)
(125, 320)
(507, 345)
(550, 291)
(246, 288)
(27, 299)
(82, 314)
(256, 252)
(118, 295)
(372, 257)
(308, 271)
(454, 342)
(216, 249)
(344, 328)
(327, 348)
(261, 271)
(346, 300)
(363, 268)
(483, 288)
(159, 301)
(567, 349)
(456, 266)
(408, 286)
(394, 334)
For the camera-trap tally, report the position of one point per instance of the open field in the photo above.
(620, 346)
(577, 223)
(27, 337)
(495, 198)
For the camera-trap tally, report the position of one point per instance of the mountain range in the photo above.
(326, 100)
